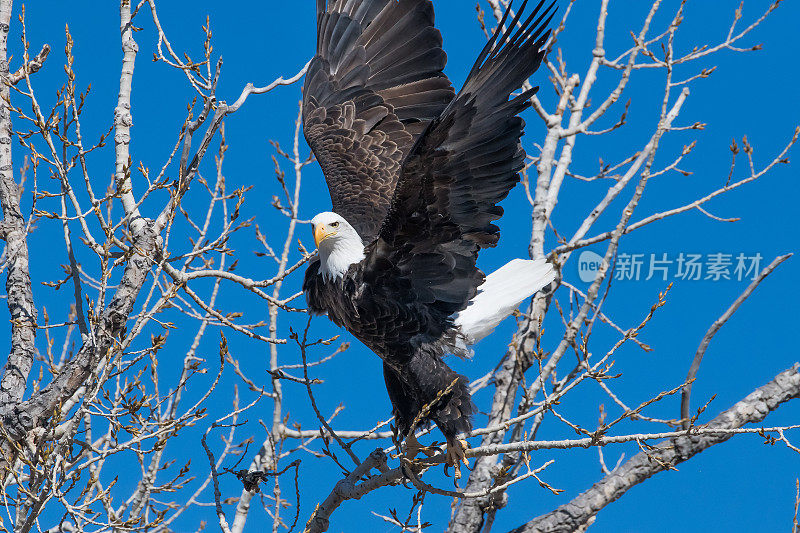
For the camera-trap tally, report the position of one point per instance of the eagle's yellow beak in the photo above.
(322, 232)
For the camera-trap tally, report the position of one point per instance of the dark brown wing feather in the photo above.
(454, 177)
(373, 87)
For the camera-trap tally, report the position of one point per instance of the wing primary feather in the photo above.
(490, 45)
(320, 25)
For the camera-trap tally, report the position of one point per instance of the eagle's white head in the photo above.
(339, 244)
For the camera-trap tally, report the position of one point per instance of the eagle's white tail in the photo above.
(501, 293)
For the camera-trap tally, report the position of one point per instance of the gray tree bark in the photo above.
(18, 281)
(106, 332)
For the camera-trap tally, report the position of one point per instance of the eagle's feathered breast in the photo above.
(406, 335)
(383, 316)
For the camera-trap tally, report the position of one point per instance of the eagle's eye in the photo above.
(334, 224)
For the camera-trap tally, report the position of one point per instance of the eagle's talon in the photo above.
(456, 454)
(414, 448)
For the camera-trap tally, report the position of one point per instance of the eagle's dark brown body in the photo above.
(409, 337)
(417, 171)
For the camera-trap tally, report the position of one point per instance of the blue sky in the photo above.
(740, 485)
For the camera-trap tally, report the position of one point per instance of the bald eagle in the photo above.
(415, 173)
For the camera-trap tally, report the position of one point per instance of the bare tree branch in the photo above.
(665, 455)
(686, 395)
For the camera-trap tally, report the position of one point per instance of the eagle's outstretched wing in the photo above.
(373, 87)
(454, 177)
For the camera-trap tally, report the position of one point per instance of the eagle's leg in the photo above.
(430, 391)
(404, 404)
(405, 409)
(447, 401)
